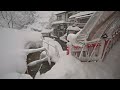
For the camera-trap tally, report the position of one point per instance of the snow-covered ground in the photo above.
(15, 75)
(13, 59)
(12, 54)
(69, 67)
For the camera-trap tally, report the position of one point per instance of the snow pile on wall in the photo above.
(12, 45)
(75, 28)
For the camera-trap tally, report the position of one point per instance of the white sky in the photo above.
(45, 15)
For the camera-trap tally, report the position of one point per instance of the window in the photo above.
(58, 27)
(60, 34)
(69, 15)
(59, 17)
(84, 20)
(62, 27)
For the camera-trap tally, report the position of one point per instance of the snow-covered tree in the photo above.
(16, 19)
(51, 20)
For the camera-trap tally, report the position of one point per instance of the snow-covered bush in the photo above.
(54, 49)
(14, 49)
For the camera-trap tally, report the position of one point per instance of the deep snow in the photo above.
(13, 59)
(69, 67)
(12, 45)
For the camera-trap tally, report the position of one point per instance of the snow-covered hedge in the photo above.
(12, 49)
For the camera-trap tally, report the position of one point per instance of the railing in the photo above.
(43, 49)
(95, 50)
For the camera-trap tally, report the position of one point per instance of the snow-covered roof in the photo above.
(47, 30)
(82, 14)
(76, 28)
(59, 22)
(58, 12)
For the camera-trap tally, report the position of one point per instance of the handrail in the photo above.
(102, 45)
(47, 58)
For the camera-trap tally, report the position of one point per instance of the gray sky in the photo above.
(46, 14)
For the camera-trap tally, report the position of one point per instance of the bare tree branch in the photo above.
(11, 20)
(2, 14)
(16, 19)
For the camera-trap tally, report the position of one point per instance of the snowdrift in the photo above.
(69, 67)
(12, 45)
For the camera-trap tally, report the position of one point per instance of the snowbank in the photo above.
(12, 45)
(70, 68)
(16, 76)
